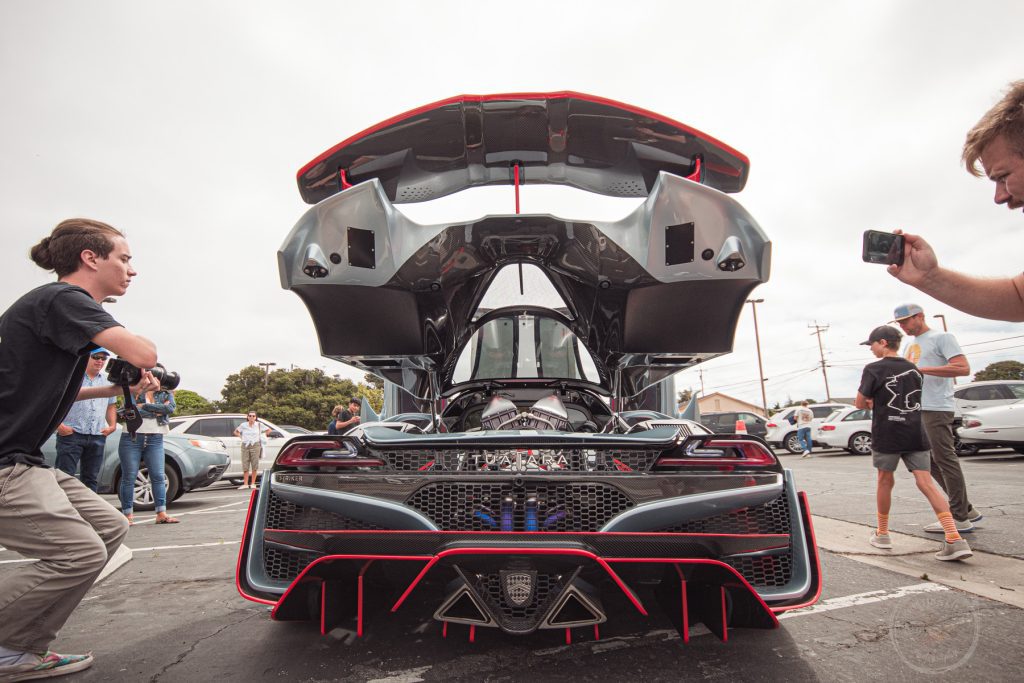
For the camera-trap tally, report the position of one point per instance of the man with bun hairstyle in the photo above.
(46, 341)
(996, 143)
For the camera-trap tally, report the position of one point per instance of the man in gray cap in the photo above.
(939, 358)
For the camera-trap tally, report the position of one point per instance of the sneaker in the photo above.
(880, 540)
(31, 666)
(806, 454)
(975, 518)
(964, 527)
(243, 487)
(957, 550)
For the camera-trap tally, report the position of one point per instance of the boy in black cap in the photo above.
(891, 387)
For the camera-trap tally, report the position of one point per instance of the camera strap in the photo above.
(132, 419)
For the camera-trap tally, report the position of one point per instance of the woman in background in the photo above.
(147, 444)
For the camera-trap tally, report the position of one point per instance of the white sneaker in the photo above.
(882, 541)
(964, 527)
(957, 550)
(243, 487)
(806, 454)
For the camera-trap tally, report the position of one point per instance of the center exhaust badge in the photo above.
(518, 586)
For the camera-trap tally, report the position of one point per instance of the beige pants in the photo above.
(50, 515)
(251, 457)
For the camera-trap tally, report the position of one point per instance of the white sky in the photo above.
(183, 124)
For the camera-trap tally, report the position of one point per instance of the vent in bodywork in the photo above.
(627, 188)
(771, 518)
(282, 514)
(415, 193)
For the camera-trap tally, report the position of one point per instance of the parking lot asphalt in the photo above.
(173, 614)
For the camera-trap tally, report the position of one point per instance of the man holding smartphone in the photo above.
(46, 338)
(997, 142)
(939, 358)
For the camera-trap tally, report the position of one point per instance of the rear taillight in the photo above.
(723, 453)
(321, 453)
(971, 422)
(771, 425)
(828, 428)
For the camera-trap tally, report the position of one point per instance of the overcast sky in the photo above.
(183, 124)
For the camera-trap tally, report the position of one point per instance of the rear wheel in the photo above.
(965, 448)
(143, 489)
(860, 444)
(792, 443)
(1019, 449)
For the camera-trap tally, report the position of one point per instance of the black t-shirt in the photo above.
(894, 384)
(45, 340)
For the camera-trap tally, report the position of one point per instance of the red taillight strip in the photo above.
(754, 454)
(241, 552)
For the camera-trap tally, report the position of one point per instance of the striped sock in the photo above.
(883, 525)
(949, 526)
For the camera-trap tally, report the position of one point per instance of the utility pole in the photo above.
(757, 339)
(266, 376)
(818, 329)
(700, 371)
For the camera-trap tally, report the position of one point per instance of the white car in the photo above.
(222, 426)
(996, 426)
(783, 434)
(848, 428)
(970, 397)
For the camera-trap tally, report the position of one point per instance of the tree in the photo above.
(298, 396)
(683, 397)
(1004, 369)
(191, 403)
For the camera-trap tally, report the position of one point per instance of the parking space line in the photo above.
(865, 599)
(182, 547)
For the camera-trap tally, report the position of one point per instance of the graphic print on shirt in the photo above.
(904, 391)
(913, 353)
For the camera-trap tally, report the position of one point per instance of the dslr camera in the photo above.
(124, 374)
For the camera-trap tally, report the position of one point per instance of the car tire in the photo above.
(143, 499)
(1019, 449)
(963, 449)
(860, 443)
(792, 443)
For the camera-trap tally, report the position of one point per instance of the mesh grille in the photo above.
(285, 565)
(282, 514)
(459, 506)
(547, 460)
(770, 518)
(766, 571)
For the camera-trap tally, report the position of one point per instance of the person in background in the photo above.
(251, 433)
(147, 444)
(939, 358)
(804, 421)
(82, 435)
(332, 426)
(996, 143)
(46, 338)
(891, 388)
(345, 419)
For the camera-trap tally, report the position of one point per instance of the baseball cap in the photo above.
(886, 332)
(905, 311)
(99, 350)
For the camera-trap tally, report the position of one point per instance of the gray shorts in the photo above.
(251, 457)
(914, 460)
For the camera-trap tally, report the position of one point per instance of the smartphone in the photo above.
(883, 247)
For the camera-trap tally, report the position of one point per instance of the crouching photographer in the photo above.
(146, 416)
(46, 338)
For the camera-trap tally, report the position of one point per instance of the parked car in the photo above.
(725, 422)
(998, 426)
(222, 426)
(295, 429)
(783, 434)
(546, 493)
(970, 397)
(848, 428)
(189, 463)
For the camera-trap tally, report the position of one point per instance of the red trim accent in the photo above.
(241, 552)
(323, 608)
(515, 171)
(444, 629)
(472, 633)
(568, 637)
(725, 615)
(538, 533)
(345, 184)
(359, 600)
(564, 94)
(813, 548)
(685, 607)
(695, 176)
(597, 632)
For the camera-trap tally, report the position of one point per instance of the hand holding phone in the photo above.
(883, 247)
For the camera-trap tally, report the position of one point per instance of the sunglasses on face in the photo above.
(100, 357)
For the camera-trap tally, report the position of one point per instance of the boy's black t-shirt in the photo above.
(894, 384)
(45, 340)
